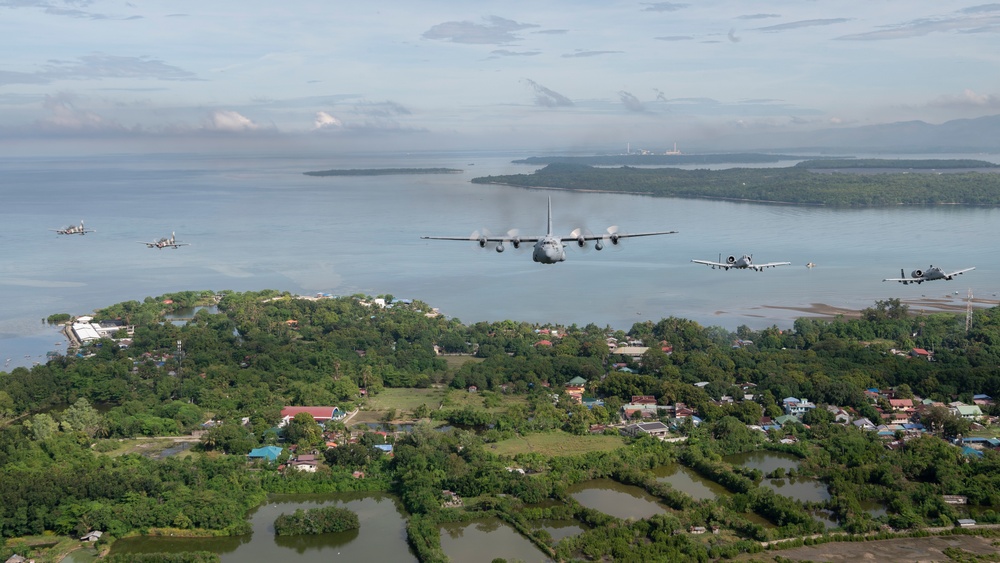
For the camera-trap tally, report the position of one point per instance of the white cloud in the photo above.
(326, 121)
(228, 120)
(968, 99)
(64, 115)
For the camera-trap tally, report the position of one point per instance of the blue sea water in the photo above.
(256, 222)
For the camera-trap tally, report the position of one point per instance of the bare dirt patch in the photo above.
(889, 551)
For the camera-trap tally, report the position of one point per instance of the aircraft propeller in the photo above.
(581, 235)
(611, 236)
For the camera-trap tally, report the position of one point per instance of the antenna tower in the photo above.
(968, 313)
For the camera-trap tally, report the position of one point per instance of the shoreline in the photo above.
(923, 305)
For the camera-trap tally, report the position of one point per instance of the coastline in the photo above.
(923, 305)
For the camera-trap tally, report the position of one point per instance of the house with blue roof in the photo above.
(269, 453)
(972, 452)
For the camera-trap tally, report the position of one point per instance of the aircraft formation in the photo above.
(551, 249)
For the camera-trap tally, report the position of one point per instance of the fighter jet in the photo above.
(920, 276)
(73, 230)
(743, 263)
(549, 248)
(165, 243)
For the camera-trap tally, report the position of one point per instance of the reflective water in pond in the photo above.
(382, 536)
(484, 540)
(826, 517)
(616, 499)
(758, 519)
(764, 461)
(799, 488)
(688, 481)
(874, 508)
(558, 529)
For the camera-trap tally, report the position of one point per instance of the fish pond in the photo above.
(687, 480)
(381, 537)
(484, 540)
(616, 499)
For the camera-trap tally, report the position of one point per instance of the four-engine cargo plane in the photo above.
(743, 263)
(73, 230)
(930, 274)
(165, 243)
(549, 248)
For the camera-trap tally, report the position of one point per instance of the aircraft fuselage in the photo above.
(549, 250)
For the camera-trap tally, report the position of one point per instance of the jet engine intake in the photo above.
(731, 259)
(917, 274)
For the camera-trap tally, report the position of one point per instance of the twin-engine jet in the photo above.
(73, 230)
(743, 263)
(165, 243)
(549, 248)
(920, 276)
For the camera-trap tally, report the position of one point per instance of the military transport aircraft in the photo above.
(920, 276)
(549, 248)
(743, 263)
(164, 243)
(73, 230)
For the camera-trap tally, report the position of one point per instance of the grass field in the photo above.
(156, 447)
(556, 443)
(406, 399)
(455, 362)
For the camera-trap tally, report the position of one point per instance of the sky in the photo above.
(558, 75)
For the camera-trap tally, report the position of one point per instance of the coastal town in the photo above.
(676, 419)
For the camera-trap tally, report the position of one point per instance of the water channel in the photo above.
(616, 499)
(382, 536)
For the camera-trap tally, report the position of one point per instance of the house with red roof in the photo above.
(319, 414)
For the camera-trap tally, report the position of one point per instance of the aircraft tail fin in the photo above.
(550, 216)
(902, 273)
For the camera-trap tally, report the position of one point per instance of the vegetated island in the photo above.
(316, 521)
(659, 159)
(383, 171)
(796, 185)
(882, 163)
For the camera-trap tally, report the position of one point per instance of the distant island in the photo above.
(383, 171)
(926, 164)
(659, 159)
(797, 185)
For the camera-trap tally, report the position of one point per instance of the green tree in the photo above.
(302, 429)
(42, 426)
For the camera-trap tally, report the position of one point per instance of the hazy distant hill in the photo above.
(958, 136)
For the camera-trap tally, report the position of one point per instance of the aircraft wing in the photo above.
(959, 272)
(710, 263)
(603, 236)
(771, 265)
(531, 239)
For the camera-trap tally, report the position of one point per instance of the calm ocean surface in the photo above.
(257, 222)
